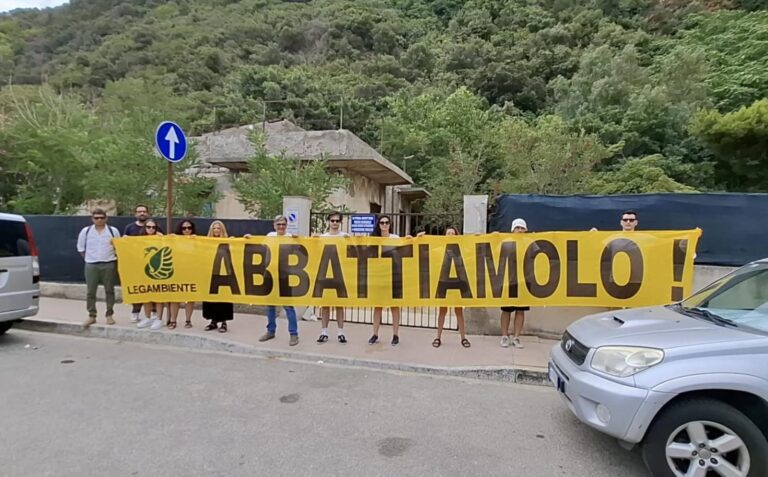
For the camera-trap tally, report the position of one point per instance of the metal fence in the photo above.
(403, 224)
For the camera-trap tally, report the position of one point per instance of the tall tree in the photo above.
(272, 177)
(740, 142)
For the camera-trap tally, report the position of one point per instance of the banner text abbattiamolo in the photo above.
(612, 269)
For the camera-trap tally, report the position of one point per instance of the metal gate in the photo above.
(403, 224)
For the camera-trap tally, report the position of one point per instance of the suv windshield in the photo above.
(740, 299)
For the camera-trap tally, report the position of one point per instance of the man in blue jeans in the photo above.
(281, 226)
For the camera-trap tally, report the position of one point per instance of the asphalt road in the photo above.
(87, 407)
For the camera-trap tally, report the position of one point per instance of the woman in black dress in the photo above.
(218, 313)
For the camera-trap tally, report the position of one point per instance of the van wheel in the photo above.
(703, 437)
(5, 326)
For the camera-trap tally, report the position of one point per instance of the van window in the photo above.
(13, 239)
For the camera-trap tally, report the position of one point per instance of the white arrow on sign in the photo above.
(172, 139)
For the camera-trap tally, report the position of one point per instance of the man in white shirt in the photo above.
(281, 226)
(95, 246)
(334, 230)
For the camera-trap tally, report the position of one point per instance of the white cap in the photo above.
(519, 223)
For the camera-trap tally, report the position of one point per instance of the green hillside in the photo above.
(544, 96)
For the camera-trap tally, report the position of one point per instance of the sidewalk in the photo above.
(485, 359)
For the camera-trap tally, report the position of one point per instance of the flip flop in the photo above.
(436, 342)
(465, 343)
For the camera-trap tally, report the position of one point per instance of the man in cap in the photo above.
(518, 226)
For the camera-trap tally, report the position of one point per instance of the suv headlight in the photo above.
(624, 361)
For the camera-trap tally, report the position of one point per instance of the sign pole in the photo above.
(171, 143)
(169, 199)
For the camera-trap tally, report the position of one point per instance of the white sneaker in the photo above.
(156, 325)
(144, 323)
(505, 341)
(153, 315)
(517, 344)
(134, 317)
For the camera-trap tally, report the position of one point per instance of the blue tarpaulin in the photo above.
(735, 226)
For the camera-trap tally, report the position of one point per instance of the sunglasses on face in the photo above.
(384, 222)
(186, 227)
(99, 218)
(627, 220)
(335, 221)
(151, 226)
(281, 224)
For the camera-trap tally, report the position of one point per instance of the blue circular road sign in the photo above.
(170, 141)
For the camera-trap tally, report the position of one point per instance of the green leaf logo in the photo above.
(159, 263)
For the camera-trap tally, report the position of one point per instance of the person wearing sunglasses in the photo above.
(280, 224)
(382, 229)
(628, 221)
(442, 312)
(218, 312)
(153, 311)
(135, 229)
(334, 230)
(185, 228)
(94, 243)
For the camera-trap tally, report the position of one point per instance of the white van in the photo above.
(19, 271)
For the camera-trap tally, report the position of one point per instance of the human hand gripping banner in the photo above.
(614, 269)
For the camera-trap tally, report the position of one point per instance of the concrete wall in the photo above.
(550, 322)
(228, 207)
(359, 194)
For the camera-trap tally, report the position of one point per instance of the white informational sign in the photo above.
(292, 214)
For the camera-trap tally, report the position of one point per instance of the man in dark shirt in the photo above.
(137, 227)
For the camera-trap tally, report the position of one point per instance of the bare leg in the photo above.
(505, 319)
(189, 308)
(174, 311)
(441, 320)
(325, 316)
(160, 308)
(395, 320)
(519, 322)
(376, 321)
(147, 310)
(460, 321)
(339, 317)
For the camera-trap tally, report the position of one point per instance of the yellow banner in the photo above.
(613, 269)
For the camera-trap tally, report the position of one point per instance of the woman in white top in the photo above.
(382, 229)
(152, 320)
(443, 310)
(334, 230)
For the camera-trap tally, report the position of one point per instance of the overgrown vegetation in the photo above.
(551, 96)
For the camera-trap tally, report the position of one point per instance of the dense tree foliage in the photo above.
(605, 90)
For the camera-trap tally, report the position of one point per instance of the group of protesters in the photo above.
(95, 246)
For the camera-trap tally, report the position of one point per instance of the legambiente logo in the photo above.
(159, 263)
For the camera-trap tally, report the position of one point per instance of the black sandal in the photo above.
(465, 343)
(188, 324)
(171, 325)
(211, 326)
(436, 342)
(223, 328)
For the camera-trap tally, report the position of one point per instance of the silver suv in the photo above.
(688, 381)
(19, 271)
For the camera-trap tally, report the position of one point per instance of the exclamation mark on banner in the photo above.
(678, 267)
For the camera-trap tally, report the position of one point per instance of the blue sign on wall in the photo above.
(170, 141)
(362, 224)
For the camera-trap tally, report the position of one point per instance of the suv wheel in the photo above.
(5, 326)
(702, 438)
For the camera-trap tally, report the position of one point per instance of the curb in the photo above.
(489, 373)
